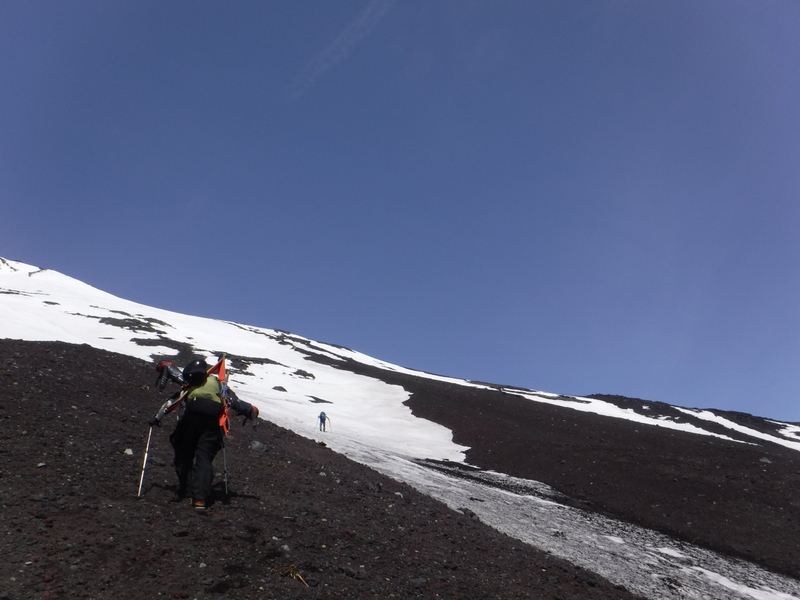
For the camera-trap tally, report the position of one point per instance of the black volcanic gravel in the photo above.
(742, 500)
(301, 521)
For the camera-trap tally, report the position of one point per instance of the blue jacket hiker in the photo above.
(323, 421)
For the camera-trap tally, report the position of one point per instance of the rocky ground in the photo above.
(740, 499)
(300, 521)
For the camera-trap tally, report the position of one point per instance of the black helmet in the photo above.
(195, 372)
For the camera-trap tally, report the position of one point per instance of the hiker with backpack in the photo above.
(205, 400)
(323, 421)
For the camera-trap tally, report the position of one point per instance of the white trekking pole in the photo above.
(144, 462)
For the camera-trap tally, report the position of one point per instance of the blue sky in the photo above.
(575, 196)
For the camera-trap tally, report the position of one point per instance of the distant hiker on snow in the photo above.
(205, 400)
(324, 421)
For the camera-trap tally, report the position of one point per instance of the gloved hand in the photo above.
(154, 422)
(253, 415)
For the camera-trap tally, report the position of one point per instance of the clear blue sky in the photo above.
(595, 196)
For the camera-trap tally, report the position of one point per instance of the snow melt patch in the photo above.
(607, 409)
(362, 410)
(788, 430)
(742, 591)
(707, 415)
(644, 561)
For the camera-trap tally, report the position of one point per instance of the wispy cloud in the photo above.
(341, 47)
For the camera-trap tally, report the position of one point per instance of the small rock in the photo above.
(467, 512)
(128, 451)
(273, 550)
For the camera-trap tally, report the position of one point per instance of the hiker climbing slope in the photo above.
(205, 400)
(324, 421)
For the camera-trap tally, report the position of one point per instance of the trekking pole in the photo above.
(144, 462)
(225, 468)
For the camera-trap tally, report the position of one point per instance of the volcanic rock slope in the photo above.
(299, 520)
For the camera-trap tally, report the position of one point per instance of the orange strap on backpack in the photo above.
(219, 370)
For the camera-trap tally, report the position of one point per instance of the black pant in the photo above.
(196, 441)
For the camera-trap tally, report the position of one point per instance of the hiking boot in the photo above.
(199, 504)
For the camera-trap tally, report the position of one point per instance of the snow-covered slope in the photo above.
(44, 305)
(291, 379)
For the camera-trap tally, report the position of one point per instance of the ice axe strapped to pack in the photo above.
(168, 372)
